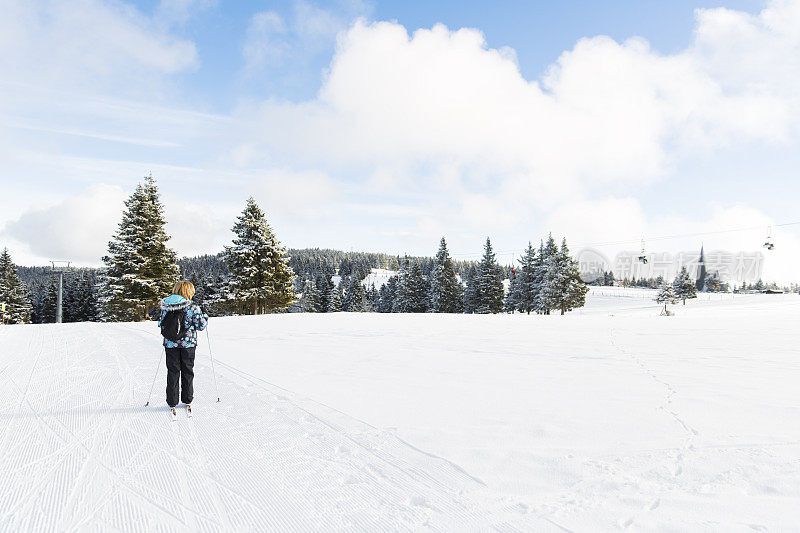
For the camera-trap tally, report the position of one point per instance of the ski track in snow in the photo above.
(78, 451)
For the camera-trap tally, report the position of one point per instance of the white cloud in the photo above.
(89, 44)
(605, 112)
(77, 228)
(196, 229)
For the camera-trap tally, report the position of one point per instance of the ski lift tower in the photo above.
(59, 267)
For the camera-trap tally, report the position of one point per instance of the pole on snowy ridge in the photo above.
(208, 338)
(60, 297)
(153, 384)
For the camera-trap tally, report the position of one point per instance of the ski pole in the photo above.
(216, 386)
(150, 396)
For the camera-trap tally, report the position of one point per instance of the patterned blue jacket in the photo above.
(195, 321)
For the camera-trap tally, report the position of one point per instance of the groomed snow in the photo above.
(605, 419)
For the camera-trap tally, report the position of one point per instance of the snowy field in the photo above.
(606, 419)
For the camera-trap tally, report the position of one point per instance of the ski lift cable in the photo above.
(685, 235)
(639, 239)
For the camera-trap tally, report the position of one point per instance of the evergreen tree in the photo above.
(575, 289)
(13, 292)
(547, 277)
(471, 290)
(71, 297)
(199, 288)
(684, 286)
(511, 303)
(387, 293)
(310, 299)
(140, 267)
(217, 298)
(399, 305)
(84, 307)
(713, 283)
(50, 303)
(261, 278)
(446, 291)
(319, 297)
(666, 296)
(416, 294)
(490, 291)
(347, 292)
(356, 295)
(522, 294)
(335, 299)
(373, 298)
(38, 292)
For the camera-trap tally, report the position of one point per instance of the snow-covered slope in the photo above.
(377, 277)
(605, 419)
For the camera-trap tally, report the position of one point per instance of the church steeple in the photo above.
(701, 270)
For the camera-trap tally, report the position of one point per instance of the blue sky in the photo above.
(538, 30)
(384, 125)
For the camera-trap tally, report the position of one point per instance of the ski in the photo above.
(173, 414)
(188, 411)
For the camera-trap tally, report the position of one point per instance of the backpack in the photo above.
(173, 325)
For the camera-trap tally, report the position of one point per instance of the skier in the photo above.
(179, 322)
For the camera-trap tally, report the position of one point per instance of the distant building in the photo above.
(701, 271)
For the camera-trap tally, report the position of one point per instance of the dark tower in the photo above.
(701, 271)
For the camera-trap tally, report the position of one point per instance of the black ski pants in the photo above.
(180, 365)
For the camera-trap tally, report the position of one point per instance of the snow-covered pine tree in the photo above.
(261, 278)
(335, 299)
(526, 286)
(417, 291)
(400, 303)
(324, 284)
(490, 291)
(547, 265)
(446, 291)
(387, 293)
(317, 297)
(38, 295)
(309, 301)
(50, 303)
(511, 304)
(666, 296)
(71, 296)
(356, 294)
(713, 283)
(685, 287)
(140, 268)
(13, 292)
(346, 282)
(575, 289)
(373, 298)
(471, 290)
(85, 300)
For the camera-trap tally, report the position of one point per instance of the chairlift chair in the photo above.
(769, 244)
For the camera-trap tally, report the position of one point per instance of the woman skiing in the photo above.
(180, 321)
